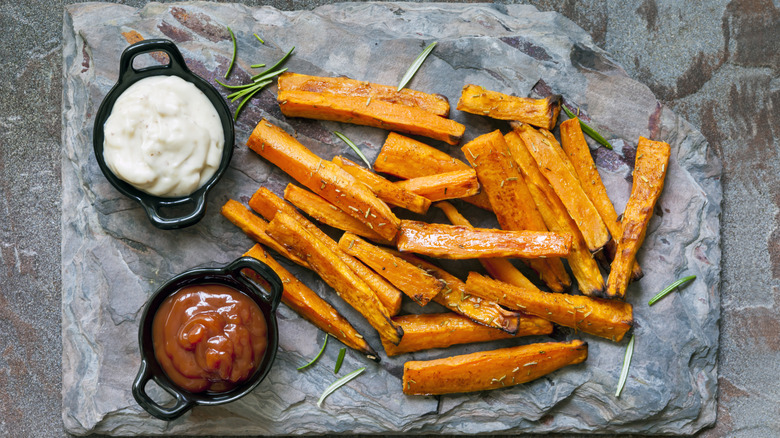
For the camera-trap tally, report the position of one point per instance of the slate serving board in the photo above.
(113, 258)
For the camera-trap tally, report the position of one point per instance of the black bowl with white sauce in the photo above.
(163, 136)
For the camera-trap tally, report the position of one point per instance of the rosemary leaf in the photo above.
(235, 51)
(340, 360)
(259, 39)
(353, 146)
(275, 66)
(626, 365)
(318, 354)
(588, 130)
(338, 384)
(416, 65)
(250, 96)
(670, 288)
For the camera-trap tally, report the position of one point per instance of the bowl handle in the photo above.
(265, 272)
(176, 63)
(152, 208)
(139, 392)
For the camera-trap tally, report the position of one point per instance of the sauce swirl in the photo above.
(209, 337)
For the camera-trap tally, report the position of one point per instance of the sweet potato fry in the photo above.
(515, 209)
(576, 149)
(555, 166)
(255, 227)
(557, 219)
(434, 103)
(490, 369)
(305, 302)
(376, 113)
(440, 330)
(455, 298)
(323, 211)
(408, 158)
(609, 319)
(351, 288)
(537, 112)
(323, 178)
(441, 186)
(458, 242)
(384, 189)
(415, 282)
(652, 157)
(268, 204)
(498, 268)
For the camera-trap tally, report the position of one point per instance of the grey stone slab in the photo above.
(112, 258)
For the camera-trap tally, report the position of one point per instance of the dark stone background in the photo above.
(716, 63)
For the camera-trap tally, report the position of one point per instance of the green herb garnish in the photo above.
(318, 354)
(416, 65)
(235, 51)
(626, 365)
(259, 39)
(353, 146)
(340, 360)
(338, 384)
(670, 288)
(588, 130)
(259, 81)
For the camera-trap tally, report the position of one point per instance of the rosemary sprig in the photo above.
(353, 146)
(338, 384)
(259, 81)
(340, 360)
(416, 65)
(588, 130)
(670, 288)
(318, 354)
(235, 51)
(626, 365)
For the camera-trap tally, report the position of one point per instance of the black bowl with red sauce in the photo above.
(250, 279)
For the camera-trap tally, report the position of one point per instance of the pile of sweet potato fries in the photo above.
(547, 196)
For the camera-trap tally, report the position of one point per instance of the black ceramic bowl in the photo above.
(128, 75)
(230, 276)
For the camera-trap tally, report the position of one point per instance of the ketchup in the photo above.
(209, 337)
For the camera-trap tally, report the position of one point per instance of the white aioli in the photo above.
(164, 137)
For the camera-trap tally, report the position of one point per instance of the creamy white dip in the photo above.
(163, 136)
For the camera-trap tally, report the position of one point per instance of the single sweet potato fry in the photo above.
(255, 227)
(458, 242)
(323, 211)
(415, 282)
(557, 219)
(305, 302)
(555, 166)
(434, 103)
(375, 112)
(408, 158)
(501, 269)
(268, 204)
(538, 112)
(577, 150)
(652, 157)
(455, 298)
(441, 186)
(351, 288)
(490, 369)
(515, 209)
(323, 178)
(384, 189)
(609, 319)
(440, 330)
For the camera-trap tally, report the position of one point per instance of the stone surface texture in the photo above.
(113, 258)
(714, 63)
